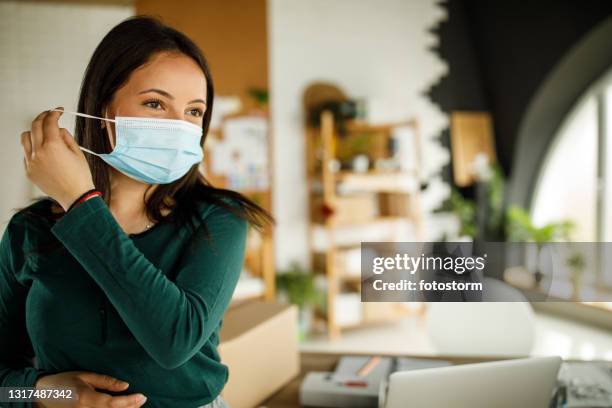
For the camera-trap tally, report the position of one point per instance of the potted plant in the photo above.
(521, 228)
(493, 212)
(577, 264)
(297, 286)
(465, 211)
(260, 97)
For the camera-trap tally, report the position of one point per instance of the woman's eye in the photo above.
(153, 104)
(196, 112)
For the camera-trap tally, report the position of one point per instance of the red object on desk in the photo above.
(355, 383)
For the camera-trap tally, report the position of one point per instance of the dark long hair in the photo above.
(126, 47)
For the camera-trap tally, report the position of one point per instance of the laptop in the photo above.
(525, 383)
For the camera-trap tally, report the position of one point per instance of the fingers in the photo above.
(128, 401)
(37, 131)
(51, 128)
(45, 126)
(92, 398)
(105, 382)
(69, 140)
(26, 142)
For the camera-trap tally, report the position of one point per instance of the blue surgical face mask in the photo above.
(151, 150)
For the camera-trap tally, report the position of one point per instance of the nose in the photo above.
(175, 113)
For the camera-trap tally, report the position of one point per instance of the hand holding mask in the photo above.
(53, 160)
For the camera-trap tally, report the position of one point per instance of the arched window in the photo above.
(567, 184)
(575, 179)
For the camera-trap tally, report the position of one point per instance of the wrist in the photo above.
(89, 194)
(71, 199)
(38, 384)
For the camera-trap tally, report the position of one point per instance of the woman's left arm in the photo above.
(171, 320)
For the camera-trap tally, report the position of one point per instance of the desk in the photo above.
(288, 396)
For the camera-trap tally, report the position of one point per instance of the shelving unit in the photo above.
(258, 278)
(345, 204)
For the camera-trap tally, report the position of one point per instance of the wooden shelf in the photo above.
(362, 126)
(365, 222)
(342, 174)
(377, 181)
(350, 278)
(325, 237)
(338, 247)
(331, 194)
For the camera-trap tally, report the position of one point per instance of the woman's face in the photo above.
(170, 86)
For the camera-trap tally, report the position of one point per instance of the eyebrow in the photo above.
(167, 95)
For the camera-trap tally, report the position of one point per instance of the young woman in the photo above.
(117, 282)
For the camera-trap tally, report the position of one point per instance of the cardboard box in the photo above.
(259, 344)
(396, 205)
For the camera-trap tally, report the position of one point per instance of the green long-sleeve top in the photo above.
(144, 308)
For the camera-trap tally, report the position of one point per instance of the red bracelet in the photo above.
(86, 196)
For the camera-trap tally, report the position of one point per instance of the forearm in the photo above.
(171, 321)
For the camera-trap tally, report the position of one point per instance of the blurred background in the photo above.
(377, 120)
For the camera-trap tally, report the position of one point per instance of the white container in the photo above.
(348, 310)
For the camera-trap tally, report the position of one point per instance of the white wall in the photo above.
(45, 48)
(375, 49)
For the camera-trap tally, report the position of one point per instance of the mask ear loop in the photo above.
(108, 132)
(91, 117)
